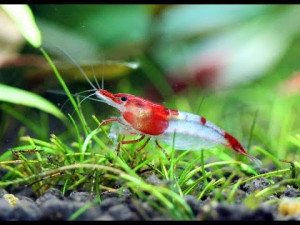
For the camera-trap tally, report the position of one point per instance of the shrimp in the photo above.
(152, 120)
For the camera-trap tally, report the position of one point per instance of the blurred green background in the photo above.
(233, 64)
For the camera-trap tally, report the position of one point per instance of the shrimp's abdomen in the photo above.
(193, 132)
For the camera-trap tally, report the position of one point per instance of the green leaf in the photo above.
(22, 97)
(24, 19)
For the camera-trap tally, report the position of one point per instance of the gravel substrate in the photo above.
(52, 205)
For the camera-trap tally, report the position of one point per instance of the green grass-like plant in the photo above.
(89, 161)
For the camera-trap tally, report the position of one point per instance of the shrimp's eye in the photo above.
(123, 98)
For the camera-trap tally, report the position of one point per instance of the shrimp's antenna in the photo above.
(78, 66)
(86, 97)
(75, 95)
(95, 77)
(58, 92)
(102, 81)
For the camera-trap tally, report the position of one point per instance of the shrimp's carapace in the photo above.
(143, 115)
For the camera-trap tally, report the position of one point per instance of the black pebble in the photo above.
(230, 212)
(193, 202)
(105, 217)
(154, 180)
(49, 195)
(109, 202)
(3, 192)
(55, 209)
(5, 209)
(122, 212)
(26, 209)
(108, 194)
(80, 196)
(262, 213)
(256, 184)
(291, 192)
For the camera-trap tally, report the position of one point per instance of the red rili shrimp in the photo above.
(154, 121)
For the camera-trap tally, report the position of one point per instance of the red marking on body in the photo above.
(144, 115)
(203, 120)
(174, 112)
(235, 145)
(109, 95)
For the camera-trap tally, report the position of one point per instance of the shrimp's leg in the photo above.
(161, 148)
(128, 142)
(110, 120)
(139, 149)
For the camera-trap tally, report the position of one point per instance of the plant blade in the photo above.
(22, 97)
(24, 19)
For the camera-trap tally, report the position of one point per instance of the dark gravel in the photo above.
(53, 205)
(81, 196)
(256, 184)
(291, 192)
(2, 192)
(50, 194)
(5, 210)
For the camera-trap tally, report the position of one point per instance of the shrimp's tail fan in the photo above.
(235, 145)
(255, 161)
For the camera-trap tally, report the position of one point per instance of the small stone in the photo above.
(136, 207)
(122, 212)
(149, 210)
(193, 202)
(50, 194)
(91, 213)
(80, 196)
(26, 210)
(2, 192)
(291, 192)
(55, 192)
(271, 197)
(154, 180)
(263, 213)
(25, 198)
(55, 209)
(108, 194)
(5, 209)
(160, 218)
(105, 217)
(11, 199)
(256, 184)
(109, 202)
(239, 196)
(126, 193)
(294, 218)
(224, 211)
(26, 191)
(262, 170)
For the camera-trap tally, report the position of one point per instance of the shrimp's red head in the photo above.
(109, 99)
(141, 114)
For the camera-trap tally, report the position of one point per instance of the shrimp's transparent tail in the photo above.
(255, 161)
